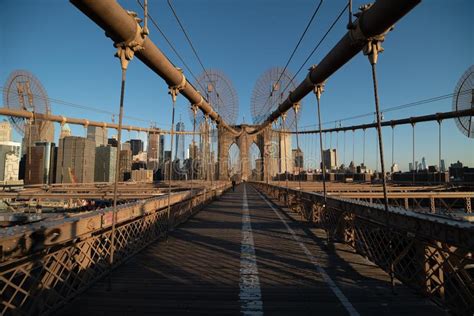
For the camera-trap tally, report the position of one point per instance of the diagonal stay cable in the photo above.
(317, 46)
(295, 49)
(172, 46)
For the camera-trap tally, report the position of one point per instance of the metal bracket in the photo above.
(126, 49)
(174, 90)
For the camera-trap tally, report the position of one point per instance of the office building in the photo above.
(161, 150)
(112, 141)
(38, 131)
(153, 151)
(330, 159)
(76, 159)
(125, 167)
(9, 160)
(179, 150)
(40, 163)
(285, 154)
(136, 146)
(5, 131)
(98, 135)
(105, 162)
(298, 160)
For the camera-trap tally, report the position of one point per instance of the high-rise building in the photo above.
(65, 131)
(410, 166)
(285, 157)
(40, 163)
(330, 159)
(105, 162)
(161, 150)
(136, 146)
(423, 164)
(5, 131)
(394, 168)
(442, 168)
(125, 166)
(112, 141)
(9, 160)
(179, 151)
(38, 131)
(167, 155)
(98, 135)
(298, 160)
(153, 151)
(76, 159)
(193, 150)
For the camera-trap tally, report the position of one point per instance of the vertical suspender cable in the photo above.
(373, 62)
(296, 107)
(318, 91)
(413, 153)
(283, 117)
(173, 93)
(439, 149)
(393, 144)
(117, 161)
(373, 50)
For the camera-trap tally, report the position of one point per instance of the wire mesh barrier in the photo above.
(429, 253)
(43, 269)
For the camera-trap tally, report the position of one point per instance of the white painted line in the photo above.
(250, 293)
(332, 285)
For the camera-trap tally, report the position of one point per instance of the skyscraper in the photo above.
(40, 163)
(9, 160)
(161, 150)
(153, 158)
(179, 151)
(136, 145)
(125, 165)
(5, 131)
(330, 159)
(76, 159)
(298, 160)
(286, 161)
(98, 135)
(105, 162)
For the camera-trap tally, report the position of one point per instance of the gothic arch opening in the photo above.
(255, 162)
(233, 165)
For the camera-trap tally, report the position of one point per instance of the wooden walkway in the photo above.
(244, 255)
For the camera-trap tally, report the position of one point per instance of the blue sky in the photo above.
(424, 57)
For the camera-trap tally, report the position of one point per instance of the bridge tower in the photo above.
(264, 142)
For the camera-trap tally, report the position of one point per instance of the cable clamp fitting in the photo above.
(126, 49)
(174, 90)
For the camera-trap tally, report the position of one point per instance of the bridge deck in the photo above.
(219, 262)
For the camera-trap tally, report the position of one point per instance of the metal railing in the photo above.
(430, 253)
(43, 267)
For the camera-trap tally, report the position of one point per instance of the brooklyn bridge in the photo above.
(282, 213)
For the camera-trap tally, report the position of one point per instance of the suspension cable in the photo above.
(439, 148)
(374, 48)
(173, 92)
(296, 108)
(194, 109)
(285, 135)
(318, 90)
(413, 153)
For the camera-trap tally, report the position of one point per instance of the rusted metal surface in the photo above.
(432, 254)
(42, 267)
